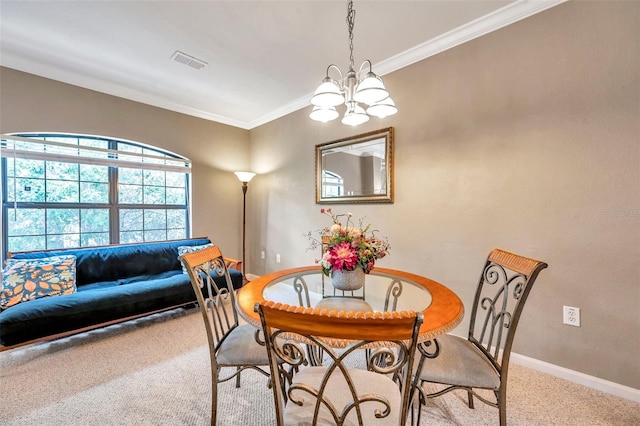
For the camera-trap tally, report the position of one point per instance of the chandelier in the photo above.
(352, 90)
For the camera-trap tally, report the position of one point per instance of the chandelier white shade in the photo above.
(383, 108)
(328, 94)
(351, 90)
(370, 90)
(324, 114)
(355, 115)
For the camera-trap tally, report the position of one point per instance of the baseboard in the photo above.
(592, 382)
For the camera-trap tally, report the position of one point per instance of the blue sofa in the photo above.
(114, 283)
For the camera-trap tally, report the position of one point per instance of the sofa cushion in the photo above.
(29, 279)
(112, 263)
(86, 308)
(99, 303)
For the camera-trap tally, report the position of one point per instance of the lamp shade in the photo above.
(370, 90)
(327, 94)
(383, 108)
(323, 114)
(354, 116)
(245, 176)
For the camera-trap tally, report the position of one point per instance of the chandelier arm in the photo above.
(337, 69)
(367, 61)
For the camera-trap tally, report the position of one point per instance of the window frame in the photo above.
(118, 159)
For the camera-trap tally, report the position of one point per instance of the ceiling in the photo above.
(264, 58)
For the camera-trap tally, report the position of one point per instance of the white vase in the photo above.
(348, 280)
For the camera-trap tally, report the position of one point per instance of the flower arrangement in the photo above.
(348, 246)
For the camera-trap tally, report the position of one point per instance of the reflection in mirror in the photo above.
(356, 169)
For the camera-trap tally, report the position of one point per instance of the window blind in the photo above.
(37, 149)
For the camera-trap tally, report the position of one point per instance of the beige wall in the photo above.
(30, 103)
(525, 139)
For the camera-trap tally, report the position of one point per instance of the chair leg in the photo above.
(214, 396)
(422, 400)
(419, 415)
(501, 397)
(470, 397)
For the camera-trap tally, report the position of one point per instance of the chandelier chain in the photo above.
(351, 17)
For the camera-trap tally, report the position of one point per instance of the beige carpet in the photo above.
(155, 371)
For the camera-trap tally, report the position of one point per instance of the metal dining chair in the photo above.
(338, 392)
(231, 344)
(481, 361)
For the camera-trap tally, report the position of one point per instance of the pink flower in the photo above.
(343, 256)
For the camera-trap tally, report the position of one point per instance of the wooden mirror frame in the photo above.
(359, 144)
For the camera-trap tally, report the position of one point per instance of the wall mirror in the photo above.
(357, 169)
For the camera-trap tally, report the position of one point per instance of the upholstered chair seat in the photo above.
(460, 363)
(241, 348)
(365, 381)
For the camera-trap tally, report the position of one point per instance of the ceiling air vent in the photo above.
(187, 60)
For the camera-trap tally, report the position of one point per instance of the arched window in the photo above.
(65, 190)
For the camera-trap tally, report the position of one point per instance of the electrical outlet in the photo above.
(262, 256)
(571, 316)
(278, 258)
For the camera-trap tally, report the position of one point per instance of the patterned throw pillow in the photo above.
(29, 279)
(190, 249)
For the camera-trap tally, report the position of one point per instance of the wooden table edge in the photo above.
(443, 314)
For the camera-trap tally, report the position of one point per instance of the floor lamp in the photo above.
(244, 177)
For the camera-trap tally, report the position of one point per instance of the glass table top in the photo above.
(381, 292)
(384, 290)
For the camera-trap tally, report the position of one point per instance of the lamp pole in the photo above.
(244, 177)
(244, 225)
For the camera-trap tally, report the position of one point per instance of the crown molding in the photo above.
(494, 21)
(69, 76)
(507, 15)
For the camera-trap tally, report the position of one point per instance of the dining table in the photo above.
(384, 290)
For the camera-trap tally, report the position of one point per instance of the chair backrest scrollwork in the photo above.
(389, 337)
(502, 291)
(216, 301)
